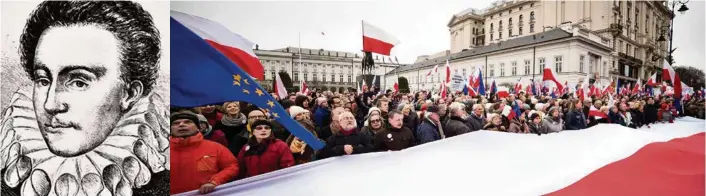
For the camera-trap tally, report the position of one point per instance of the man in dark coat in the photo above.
(651, 109)
(476, 121)
(456, 124)
(347, 139)
(430, 129)
(395, 137)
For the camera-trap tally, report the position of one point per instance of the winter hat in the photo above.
(202, 119)
(296, 110)
(549, 112)
(184, 115)
(374, 109)
(261, 122)
(539, 106)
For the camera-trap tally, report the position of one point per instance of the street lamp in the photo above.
(682, 9)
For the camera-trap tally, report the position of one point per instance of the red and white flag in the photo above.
(638, 87)
(448, 71)
(279, 87)
(549, 75)
(652, 81)
(304, 88)
(503, 92)
(236, 48)
(666, 159)
(596, 113)
(376, 40)
(669, 74)
(435, 70)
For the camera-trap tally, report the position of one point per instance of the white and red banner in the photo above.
(377, 40)
(605, 160)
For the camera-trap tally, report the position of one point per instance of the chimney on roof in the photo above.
(257, 47)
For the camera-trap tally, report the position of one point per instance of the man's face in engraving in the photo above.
(78, 93)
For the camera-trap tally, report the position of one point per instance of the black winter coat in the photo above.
(361, 143)
(575, 120)
(455, 126)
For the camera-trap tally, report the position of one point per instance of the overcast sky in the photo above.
(420, 25)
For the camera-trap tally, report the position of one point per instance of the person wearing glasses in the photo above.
(263, 153)
(346, 140)
(374, 125)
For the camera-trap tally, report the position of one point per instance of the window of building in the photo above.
(509, 22)
(492, 70)
(305, 76)
(531, 28)
(527, 67)
(558, 63)
(541, 65)
(509, 11)
(340, 78)
(500, 14)
(502, 69)
(627, 49)
(520, 30)
(532, 16)
(333, 78)
(500, 35)
(464, 71)
(509, 32)
(491, 37)
(605, 68)
(620, 46)
(296, 76)
(514, 68)
(315, 78)
(581, 58)
(531, 4)
(520, 7)
(350, 78)
(272, 72)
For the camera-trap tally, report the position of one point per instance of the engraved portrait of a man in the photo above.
(90, 121)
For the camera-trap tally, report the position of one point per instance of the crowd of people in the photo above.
(216, 144)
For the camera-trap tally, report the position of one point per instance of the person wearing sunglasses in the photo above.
(263, 153)
(374, 125)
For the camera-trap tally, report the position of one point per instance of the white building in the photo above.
(573, 53)
(322, 69)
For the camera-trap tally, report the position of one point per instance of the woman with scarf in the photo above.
(233, 125)
(263, 153)
(302, 152)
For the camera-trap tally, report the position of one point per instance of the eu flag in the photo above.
(201, 75)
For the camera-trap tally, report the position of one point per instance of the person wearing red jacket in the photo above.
(264, 153)
(197, 163)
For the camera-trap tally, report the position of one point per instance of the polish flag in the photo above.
(518, 86)
(435, 70)
(549, 75)
(502, 91)
(666, 159)
(669, 74)
(304, 88)
(235, 47)
(652, 81)
(638, 87)
(596, 113)
(443, 91)
(583, 91)
(279, 87)
(397, 87)
(448, 71)
(376, 40)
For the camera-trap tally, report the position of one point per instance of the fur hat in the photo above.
(296, 110)
(261, 122)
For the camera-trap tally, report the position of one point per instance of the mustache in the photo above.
(56, 123)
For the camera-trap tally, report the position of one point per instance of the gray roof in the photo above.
(551, 35)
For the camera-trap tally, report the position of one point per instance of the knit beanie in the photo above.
(296, 110)
(184, 115)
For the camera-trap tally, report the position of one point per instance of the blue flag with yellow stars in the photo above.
(201, 75)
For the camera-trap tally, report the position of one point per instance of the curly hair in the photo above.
(131, 25)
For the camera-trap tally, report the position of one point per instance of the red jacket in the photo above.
(195, 161)
(277, 156)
